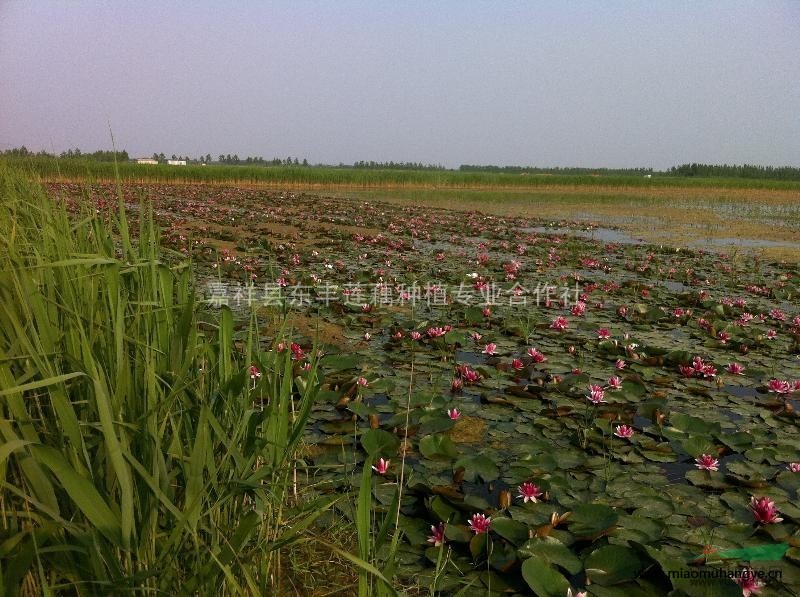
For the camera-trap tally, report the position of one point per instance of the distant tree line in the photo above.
(397, 166)
(123, 156)
(734, 171)
(557, 170)
(747, 171)
(234, 160)
(687, 170)
(95, 156)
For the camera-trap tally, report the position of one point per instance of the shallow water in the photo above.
(674, 286)
(608, 235)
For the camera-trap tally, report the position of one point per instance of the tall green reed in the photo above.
(135, 453)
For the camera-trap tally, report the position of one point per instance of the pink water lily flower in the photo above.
(778, 386)
(620, 364)
(453, 413)
(362, 381)
(706, 462)
(298, 354)
(764, 510)
(480, 523)
(468, 374)
(490, 349)
(794, 467)
(456, 384)
(735, 369)
(596, 394)
(437, 535)
(603, 333)
(749, 582)
(576, 593)
(579, 309)
(381, 466)
(528, 492)
(709, 370)
(517, 365)
(614, 382)
(536, 356)
(624, 431)
(698, 368)
(560, 323)
(415, 335)
(254, 372)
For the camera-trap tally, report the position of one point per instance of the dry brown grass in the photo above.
(311, 568)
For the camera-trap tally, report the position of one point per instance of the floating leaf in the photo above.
(612, 564)
(510, 529)
(588, 520)
(478, 466)
(707, 479)
(543, 579)
(378, 442)
(554, 552)
(437, 446)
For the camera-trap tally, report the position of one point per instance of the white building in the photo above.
(146, 161)
(176, 162)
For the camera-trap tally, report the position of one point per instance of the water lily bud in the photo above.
(504, 500)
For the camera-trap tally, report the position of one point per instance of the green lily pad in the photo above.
(612, 564)
(437, 446)
(478, 466)
(690, 424)
(588, 520)
(513, 530)
(552, 551)
(478, 546)
(707, 479)
(543, 579)
(378, 442)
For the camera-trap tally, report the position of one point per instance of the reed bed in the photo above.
(330, 177)
(137, 452)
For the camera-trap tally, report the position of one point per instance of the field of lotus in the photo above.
(504, 404)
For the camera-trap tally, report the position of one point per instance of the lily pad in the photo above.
(589, 520)
(437, 446)
(543, 579)
(554, 552)
(612, 564)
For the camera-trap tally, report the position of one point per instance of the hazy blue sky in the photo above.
(545, 83)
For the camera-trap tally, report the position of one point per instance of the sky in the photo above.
(591, 84)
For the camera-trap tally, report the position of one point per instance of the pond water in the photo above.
(606, 235)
